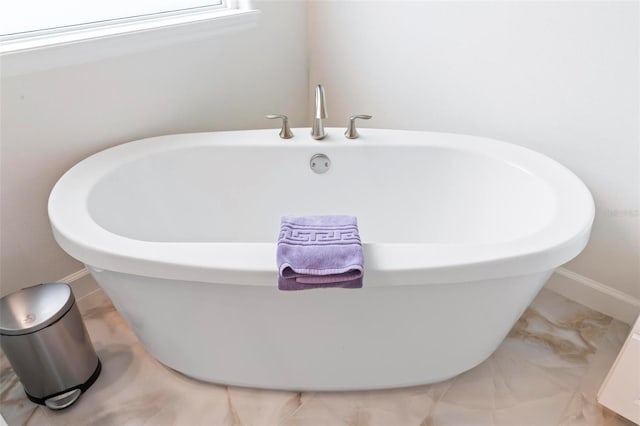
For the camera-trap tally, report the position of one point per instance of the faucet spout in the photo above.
(320, 113)
(321, 106)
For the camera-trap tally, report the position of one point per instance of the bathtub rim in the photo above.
(388, 263)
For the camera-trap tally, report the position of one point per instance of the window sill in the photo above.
(35, 54)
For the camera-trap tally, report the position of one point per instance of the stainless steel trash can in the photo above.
(47, 344)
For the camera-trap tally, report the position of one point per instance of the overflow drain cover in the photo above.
(320, 163)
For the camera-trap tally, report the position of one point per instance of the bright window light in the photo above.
(25, 17)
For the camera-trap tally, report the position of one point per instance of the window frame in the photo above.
(117, 16)
(42, 50)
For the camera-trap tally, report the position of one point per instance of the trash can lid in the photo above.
(34, 308)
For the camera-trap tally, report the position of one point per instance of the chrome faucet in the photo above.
(352, 132)
(320, 112)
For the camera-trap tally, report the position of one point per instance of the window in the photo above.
(66, 32)
(34, 24)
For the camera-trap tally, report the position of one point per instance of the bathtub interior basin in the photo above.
(419, 194)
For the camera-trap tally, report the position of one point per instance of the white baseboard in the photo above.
(74, 277)
(594, 295)
(81, 282)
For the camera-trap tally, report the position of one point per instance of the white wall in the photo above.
(559, 77)
(50, 120)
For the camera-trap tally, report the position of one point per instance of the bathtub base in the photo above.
(320, 340)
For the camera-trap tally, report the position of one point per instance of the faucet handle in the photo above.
(352, 132)
(285, 132)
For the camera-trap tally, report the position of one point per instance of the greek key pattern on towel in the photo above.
(316, 235)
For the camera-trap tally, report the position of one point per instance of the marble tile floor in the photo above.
(546, 372)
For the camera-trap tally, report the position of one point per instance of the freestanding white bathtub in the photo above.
(459, 235)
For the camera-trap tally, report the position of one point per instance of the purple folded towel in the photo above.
(319, 252)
